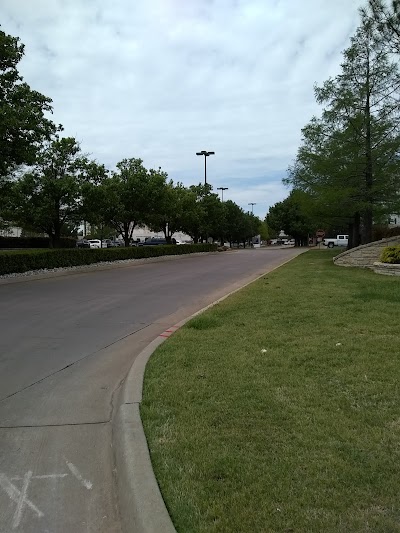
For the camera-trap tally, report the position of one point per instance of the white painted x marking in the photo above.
(19, 497)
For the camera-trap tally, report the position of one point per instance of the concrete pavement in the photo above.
(66, 345)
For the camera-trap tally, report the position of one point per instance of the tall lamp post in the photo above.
(206, 154)
(222, 189)
(252, 204)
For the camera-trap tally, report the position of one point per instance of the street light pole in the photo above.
(252, 204)
(222, 189)
(206, 154)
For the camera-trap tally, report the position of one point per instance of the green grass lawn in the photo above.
(278, 410)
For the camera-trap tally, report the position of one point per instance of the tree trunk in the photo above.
(369, 178)
(57, 235)
(51, 239)
(354, 232)
(125, 235)
(367, 226)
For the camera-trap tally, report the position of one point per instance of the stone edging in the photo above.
(368, 245)
(388, 269)
(142, 507)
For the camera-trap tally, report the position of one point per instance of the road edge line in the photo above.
(142, 507)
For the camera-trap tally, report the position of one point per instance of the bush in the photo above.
(11, 262)
(391, 254)
(34, 242)
(384, 232)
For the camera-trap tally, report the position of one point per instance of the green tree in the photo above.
(234, 222)
(200, 220)
(386, 18)
(96, 201)
(47, 198)
(264, 231)
(131, 196)
(292, 217)
(212, 218)
(348, 158)
(23, 124)
(175, 205)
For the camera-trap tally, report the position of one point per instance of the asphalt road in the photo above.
(66, 344)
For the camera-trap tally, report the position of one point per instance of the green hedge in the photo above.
(391, 254)
(34, 242)
(11, 262)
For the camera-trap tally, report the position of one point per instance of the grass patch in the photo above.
(279, 409)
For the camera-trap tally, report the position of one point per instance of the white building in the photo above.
(10, 232)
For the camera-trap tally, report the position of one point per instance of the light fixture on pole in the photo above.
(206, 154)
(222, 189)
(252, 204)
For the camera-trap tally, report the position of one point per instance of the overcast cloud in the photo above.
(162, 79)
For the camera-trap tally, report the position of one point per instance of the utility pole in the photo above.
(206, 154)
(252, 204)
(222, 189)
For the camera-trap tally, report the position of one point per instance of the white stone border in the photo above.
(387, 269)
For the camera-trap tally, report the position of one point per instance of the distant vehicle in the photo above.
(341, 240)
(156, 241)
(291, 242)
(94, 243)
(82, 243)
(109, 243)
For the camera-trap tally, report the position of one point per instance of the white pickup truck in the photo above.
(341, 240)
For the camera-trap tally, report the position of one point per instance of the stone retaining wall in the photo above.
(388, 269)
(366, 255)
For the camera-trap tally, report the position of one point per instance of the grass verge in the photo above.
(279, 409)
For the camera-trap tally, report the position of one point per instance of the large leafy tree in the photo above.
(175, 206)
(96, 201)
(234, 222)
(47, 198)
(131, 196)
(349, 157)
(23, 122)
(292, 216)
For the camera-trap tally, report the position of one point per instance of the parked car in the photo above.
(109, 243)
(94, 243)
(82, 243)
(291, 242)
(155, 241)
(341, 240)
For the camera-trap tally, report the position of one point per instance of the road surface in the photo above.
(66, 344)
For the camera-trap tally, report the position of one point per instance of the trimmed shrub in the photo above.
(391, 254)
(34, 242)
(12, 262)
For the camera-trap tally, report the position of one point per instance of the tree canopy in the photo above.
(23, 122)
(47, 197)
(348, 159)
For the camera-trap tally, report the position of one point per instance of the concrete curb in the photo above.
(142, 507)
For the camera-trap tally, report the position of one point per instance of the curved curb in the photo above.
(142, 507)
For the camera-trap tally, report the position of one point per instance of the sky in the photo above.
(164, 79)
